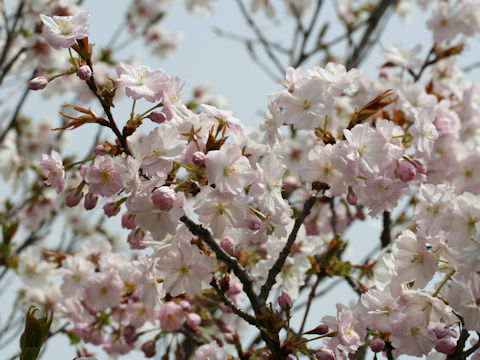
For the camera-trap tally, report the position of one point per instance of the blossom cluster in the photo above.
(218, 215)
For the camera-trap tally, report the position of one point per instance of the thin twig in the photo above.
(278, 266)
(247, 317)
(362, 46)
(261, 38)
(232, 263)
(307, 32)
(13, 120)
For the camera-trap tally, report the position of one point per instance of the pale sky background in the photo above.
(203, 57)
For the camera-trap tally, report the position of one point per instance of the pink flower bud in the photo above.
(73, 198)
(171, 316)
(384, 73)
(253, 222)
(405, 171)
(289, 184)
(157, 117)
(440, 331)
(351, 197)
(135, 239)
(84, 72)
(148, 349)
(128, 221)
(163, 198)
(228, 244)
(194, 320)
(38, 83)
(185, 305)
(325, 354)
(262, 250)
(445, 346)
(377, 345)
(226, 328)
(198, 158)
(90, 201)
(226, 309)
(320, 330)
(111, 208)
(285, 300)
(129, 334)
(421, 169)
(229, 338)
(100, 150)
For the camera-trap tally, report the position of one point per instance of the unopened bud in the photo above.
(198, 158)
(351, 197)
(157, 117)
(445, 346)
(319, 330)
(440, 331)
(135, 239)
(377, 345)
(90, 201)
(228, 244)
(285, 300)
(325, 354)
(84, 72)
(111, 208)
(38, 83)
(229, 338)
(163, 198)
(73, 197)
(148, 349)
(405, 171)
(289, 184)
(253, 222)
(128, 221)
(185, 305)
(193, 320)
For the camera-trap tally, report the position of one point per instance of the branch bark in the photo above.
(277, 267)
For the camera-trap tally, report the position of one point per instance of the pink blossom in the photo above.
(228, 169)
(103, 291)
(53, 164)
(184, 269)
(63, 31)
(105, 177)
(171, 316)
(210, 351)
(141, 82)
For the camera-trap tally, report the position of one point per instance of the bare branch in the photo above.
(360, 50)
(261, 38)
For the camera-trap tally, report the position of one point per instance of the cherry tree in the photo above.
(234, 231)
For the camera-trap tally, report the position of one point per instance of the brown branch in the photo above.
(359, 51)
(261, 38)
(307, 32)
(278, 266)
(245, 316)
(112, 124)
(232, 263)
(13, 120)
(386, 236)
(311, 296)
